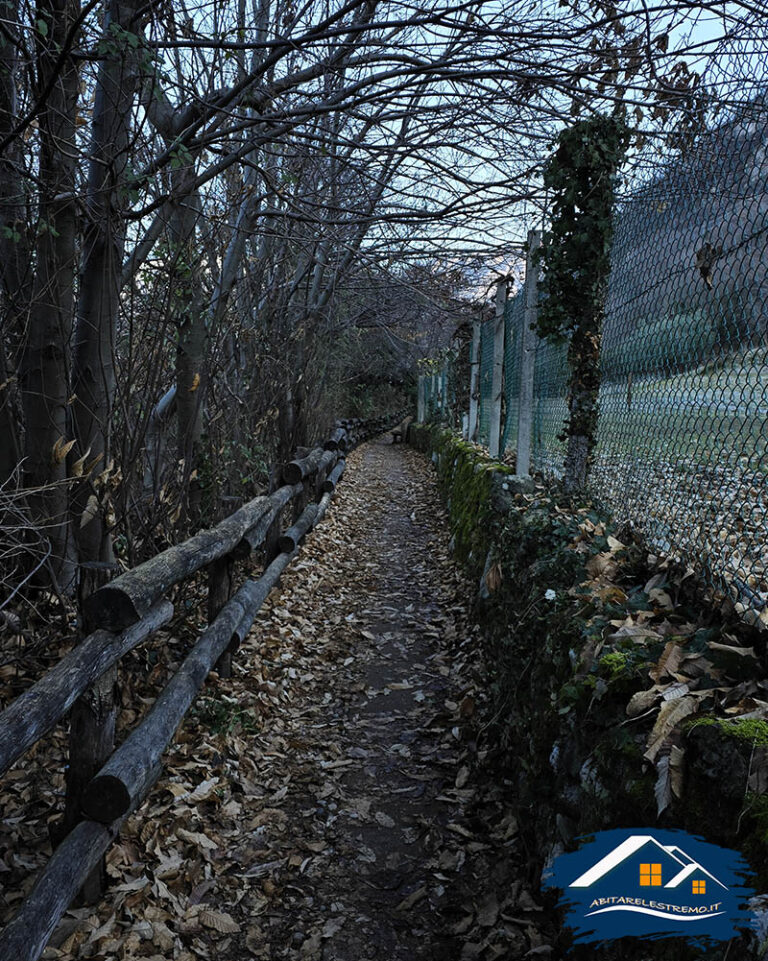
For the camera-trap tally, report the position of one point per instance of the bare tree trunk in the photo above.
(92, 724)
(93, 375)
(44, 368)
(13, 240)
(10, 451)
(191, 364)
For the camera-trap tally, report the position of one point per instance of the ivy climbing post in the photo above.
(581, 177)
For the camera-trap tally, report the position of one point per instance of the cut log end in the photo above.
(286, 544)
(105, 799)
(110, 609)
(292, 473)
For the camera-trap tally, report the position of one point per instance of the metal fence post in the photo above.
(497, 380)
(528, 355)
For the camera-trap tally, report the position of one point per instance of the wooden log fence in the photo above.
(329, 484)
(127, 612)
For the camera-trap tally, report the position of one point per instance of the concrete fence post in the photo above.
(528, 342)
(497, 380)
(474, 382)
(422, 387)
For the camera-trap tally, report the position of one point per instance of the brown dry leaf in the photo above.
(407, 903)
(670, 715)
(643, 701)
(332, 927)
(663, 787)
(162, 936)
(493, 577)
(463, 925)
(79, 464)
(669, 662)
(678, 689)
(669, 782)
(219, 921)
(196, 838)
(90, 511)
(637, 631)
(203, 792)
(676, 769)
(60, 450)
(602, 565)
(195, 384)
(488, 912)
(732, 649)
(661, 599)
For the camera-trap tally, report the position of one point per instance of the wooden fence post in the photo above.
(474, 381)
(528, 342)
(271, 547)
(497, 381)
(220, 583)
(91, 736)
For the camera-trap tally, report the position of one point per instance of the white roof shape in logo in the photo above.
(687, 871)
(631, 845)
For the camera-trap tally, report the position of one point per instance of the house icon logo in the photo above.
(652, 884)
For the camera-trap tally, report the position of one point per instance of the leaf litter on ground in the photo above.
(329, 801)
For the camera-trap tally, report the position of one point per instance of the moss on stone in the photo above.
(751, 730)
(465, 477)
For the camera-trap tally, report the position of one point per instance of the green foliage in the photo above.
(180, 156)
(11, 233)
(223, 715)
(235, 469)
(465, 475)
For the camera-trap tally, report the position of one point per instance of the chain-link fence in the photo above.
(437, 395)
(683, 430)
(684, 397)
(485, 381)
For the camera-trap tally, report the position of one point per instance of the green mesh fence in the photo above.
(485, 381)
(514, 317)
(682, 444)
(433, 399)
(683, 431)
(439, 394)
(550, 381)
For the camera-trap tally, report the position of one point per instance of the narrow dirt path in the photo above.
(323, 804)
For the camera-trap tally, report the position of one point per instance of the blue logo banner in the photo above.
(652, 884)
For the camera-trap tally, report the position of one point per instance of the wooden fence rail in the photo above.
(126, 612)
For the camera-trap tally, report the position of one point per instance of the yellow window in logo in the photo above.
(699, 887)
(650, 875)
